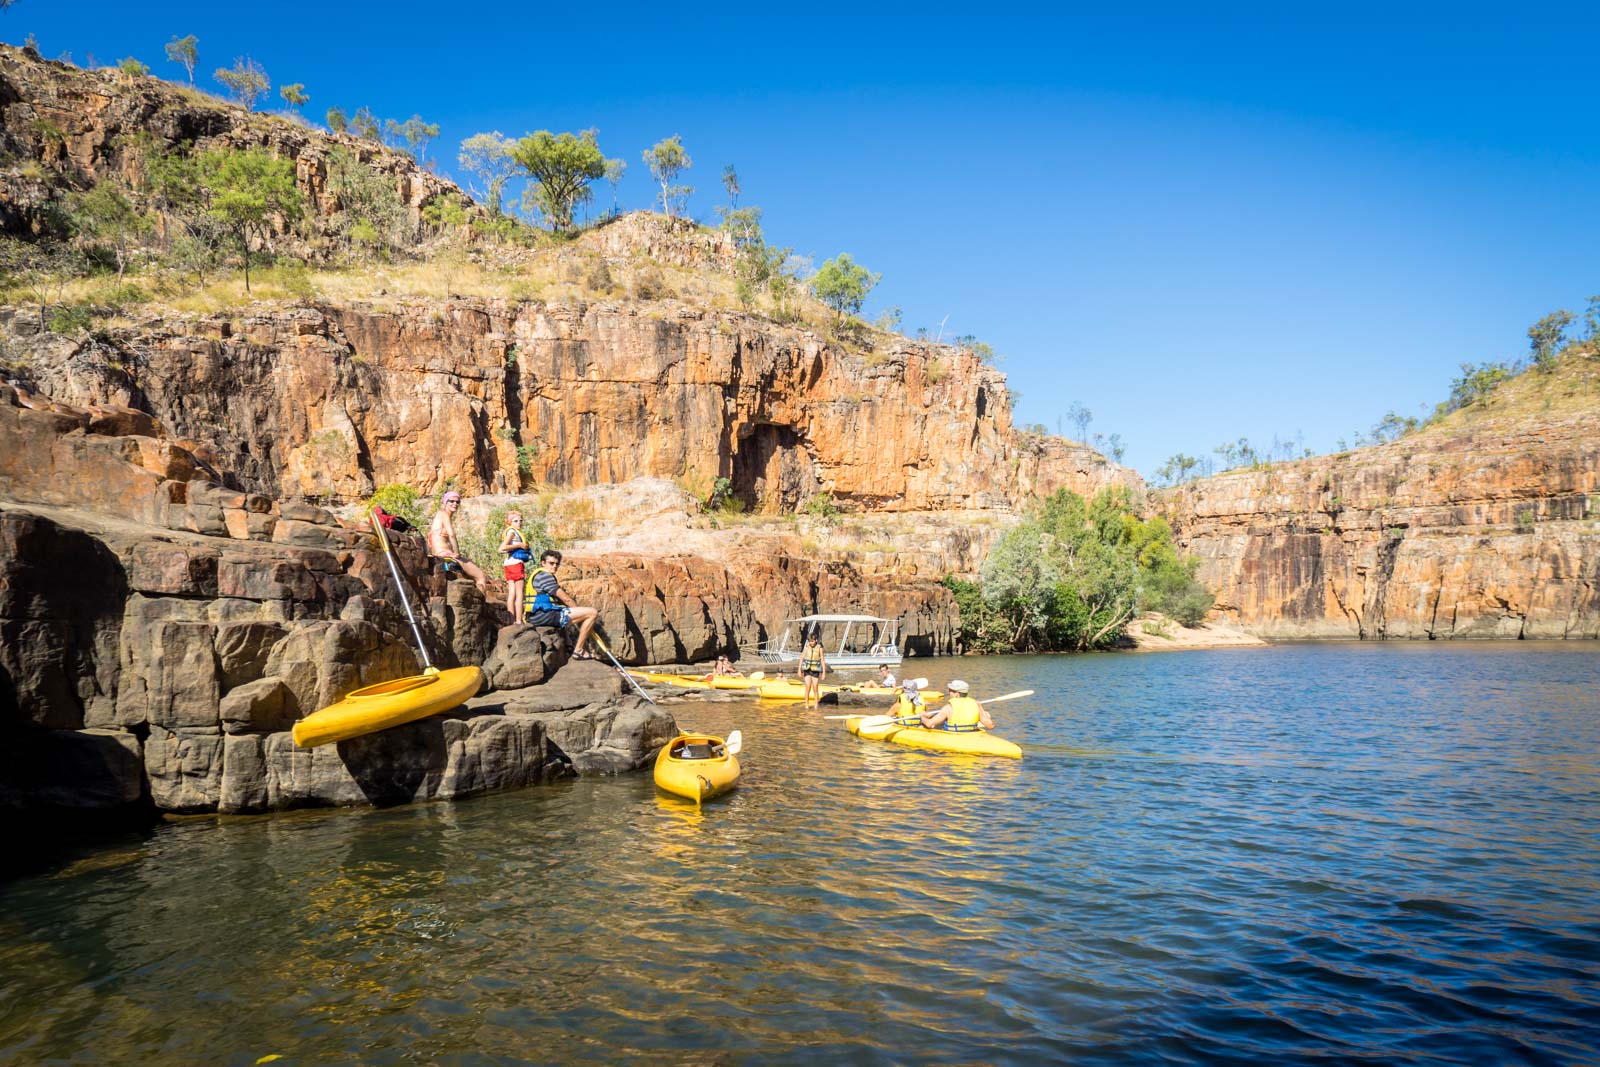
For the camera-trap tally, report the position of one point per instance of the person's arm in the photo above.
(561, 595)
(824, 657)
(505, 541)
(984, 719)
(933, 719)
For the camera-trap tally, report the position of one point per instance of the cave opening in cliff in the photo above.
(771, 469)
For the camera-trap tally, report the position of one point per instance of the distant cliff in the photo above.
(1486, 524)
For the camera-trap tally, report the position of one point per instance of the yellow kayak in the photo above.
(378, 707)
(698, 681)
(971, 742)
(789, 689)
(696, 767)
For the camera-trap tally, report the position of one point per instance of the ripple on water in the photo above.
(1342, 854)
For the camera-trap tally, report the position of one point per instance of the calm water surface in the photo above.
(1342, 854)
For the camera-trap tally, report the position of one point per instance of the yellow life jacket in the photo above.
(908, 711)
(962, 713)
(810, 661)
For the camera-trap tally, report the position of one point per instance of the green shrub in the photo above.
(1072, 575)
(404, 501)
(72, 318)
(822, 506)
(480, 542)
(1524, 522)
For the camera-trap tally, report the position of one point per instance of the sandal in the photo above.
(583, 654)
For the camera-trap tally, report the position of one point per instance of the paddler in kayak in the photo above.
(960, 712)
(723, 669)
(813, 669)
(908, 704)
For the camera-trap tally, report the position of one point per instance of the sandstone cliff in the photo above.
(160, 633)
(61, 124)
(1485, 525)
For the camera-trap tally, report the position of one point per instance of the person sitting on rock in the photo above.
(549, 605)
(960, 712)
(442, 542)
(514, 547)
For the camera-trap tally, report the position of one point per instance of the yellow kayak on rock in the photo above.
(698, 767)
(387, 704)
(970, 742)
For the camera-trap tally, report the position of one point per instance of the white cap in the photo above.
(957, 686)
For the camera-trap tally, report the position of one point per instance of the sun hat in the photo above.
(957, 686)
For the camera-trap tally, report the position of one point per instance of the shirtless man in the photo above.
(442, 541)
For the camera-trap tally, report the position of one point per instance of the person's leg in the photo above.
(471, 570)
(514, 599)
(585, 618)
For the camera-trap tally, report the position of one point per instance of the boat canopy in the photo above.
(863, 641)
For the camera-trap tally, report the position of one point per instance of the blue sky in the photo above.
(1243, 224)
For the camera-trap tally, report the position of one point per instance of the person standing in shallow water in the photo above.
(813, 668)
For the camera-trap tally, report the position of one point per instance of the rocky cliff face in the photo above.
(82, 125)
(330, 401)
(1485, 526)
(160, 633)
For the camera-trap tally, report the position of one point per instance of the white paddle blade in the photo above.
(922, 683)
(1009, 696)
(756, 676)
(735, 743)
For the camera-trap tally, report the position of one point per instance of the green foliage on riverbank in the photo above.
(1073, 574)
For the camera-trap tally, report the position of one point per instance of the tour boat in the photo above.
(850, 642)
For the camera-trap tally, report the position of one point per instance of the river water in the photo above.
(1333, 853)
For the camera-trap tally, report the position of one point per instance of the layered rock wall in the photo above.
(90, 124)
(160, 634)
(1487, 532)
(491, 396)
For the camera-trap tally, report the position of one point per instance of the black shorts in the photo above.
(811, 674)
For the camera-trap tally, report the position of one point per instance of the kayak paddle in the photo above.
(618, 666)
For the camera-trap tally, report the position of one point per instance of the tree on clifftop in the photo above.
(615, 169)
(843, 285)
(666, 160)
(185, 52)
(246, 191)
(488, 156)
(561, 167)
(294, 95)
(245, 80)
(414, 133)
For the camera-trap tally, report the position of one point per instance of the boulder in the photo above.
(61, 594)
(242, 650)
(525, 655)
(169, 675)
(185, 769)
(263, 706)
(319, 662)
(93, 770)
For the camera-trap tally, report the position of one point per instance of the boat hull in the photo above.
(968, 742)
(695, 779)
(388, 704)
